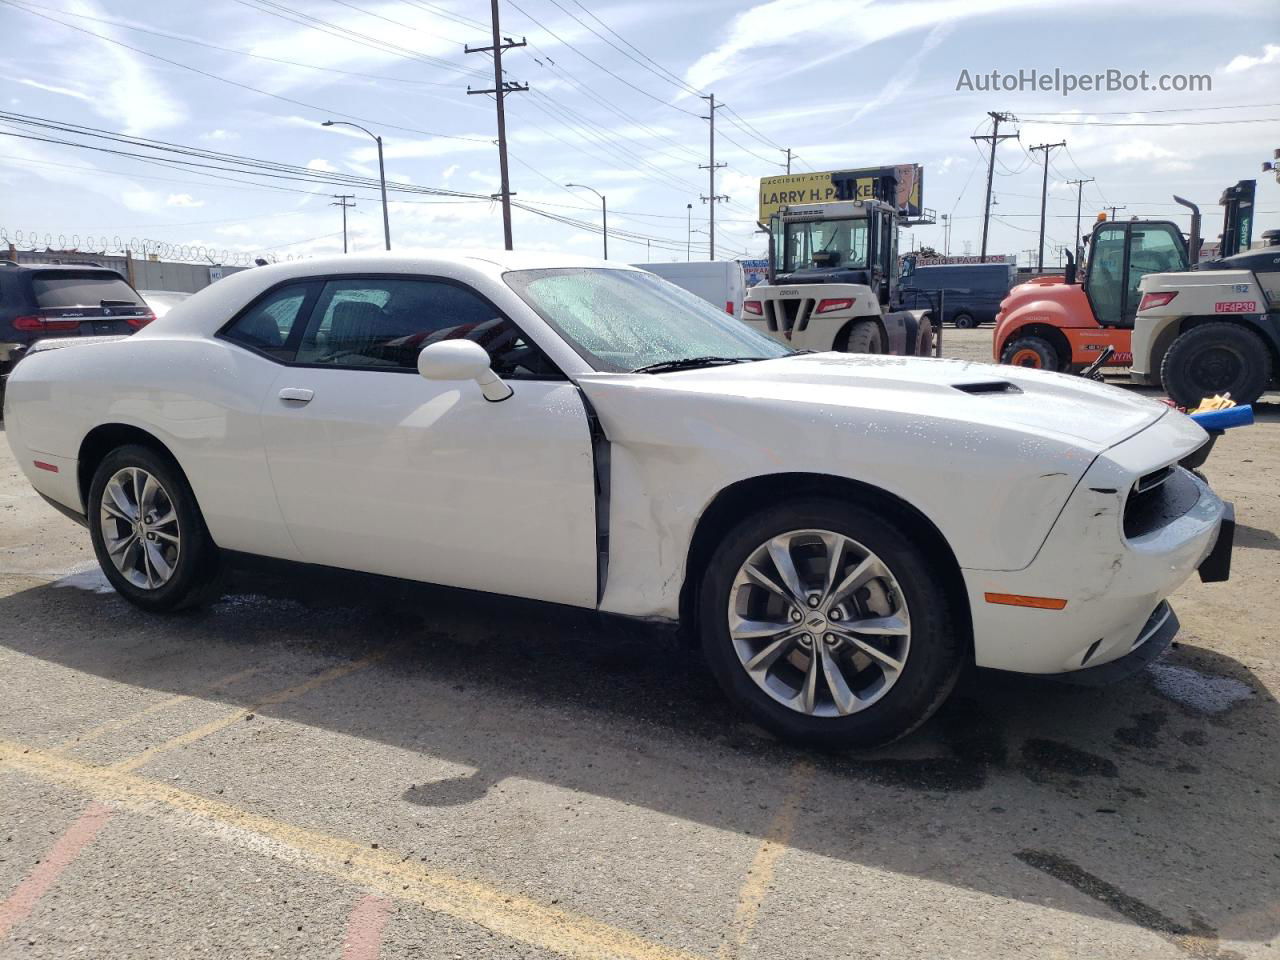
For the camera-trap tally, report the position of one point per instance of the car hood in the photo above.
(1080, 412)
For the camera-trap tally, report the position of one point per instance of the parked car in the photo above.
(162, 301)
(842, 532)
(972, 291)
(41, 300)
(721, 283)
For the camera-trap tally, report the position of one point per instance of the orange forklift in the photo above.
(1060, 323)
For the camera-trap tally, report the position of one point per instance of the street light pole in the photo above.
(382, 174)
(604, 214)
(688, 243)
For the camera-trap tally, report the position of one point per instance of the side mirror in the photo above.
(462, 360)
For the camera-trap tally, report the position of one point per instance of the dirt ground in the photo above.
(316, 768)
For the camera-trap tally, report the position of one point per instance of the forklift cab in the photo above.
(1120, 255)
(842, 242)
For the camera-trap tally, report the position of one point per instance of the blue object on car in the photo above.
(1241, 416)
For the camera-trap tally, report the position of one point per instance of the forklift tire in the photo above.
(861, 336)
(964, 321)
(924, 341)
(1215, 358)
(1034, 352)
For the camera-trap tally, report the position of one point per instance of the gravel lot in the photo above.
(315, 767)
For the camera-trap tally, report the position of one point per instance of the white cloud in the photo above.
(61, 91)
(449, 171)
(126, 89)
(324, 166)
(183, 200)
(220, 134)
(1243, 62)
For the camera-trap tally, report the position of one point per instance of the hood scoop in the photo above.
(988, 386)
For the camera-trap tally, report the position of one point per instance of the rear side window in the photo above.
(81, 288)
(266, 325)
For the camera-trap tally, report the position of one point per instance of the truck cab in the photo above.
(833, 280)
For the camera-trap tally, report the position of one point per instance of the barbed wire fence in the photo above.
(138, 247)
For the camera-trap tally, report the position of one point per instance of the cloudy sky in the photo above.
(614, 104)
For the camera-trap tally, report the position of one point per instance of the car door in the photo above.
(380, 470)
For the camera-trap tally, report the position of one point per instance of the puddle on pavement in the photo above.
(1197, 691)
(91, 579)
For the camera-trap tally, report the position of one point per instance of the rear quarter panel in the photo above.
(199, 397)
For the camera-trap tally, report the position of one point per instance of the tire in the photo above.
(1216, 358)
(965, 321)
(924, 339)
(1035, 352)
(930, 661)
(192, 560)
(861, 336)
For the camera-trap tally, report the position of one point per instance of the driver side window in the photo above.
(384, 322)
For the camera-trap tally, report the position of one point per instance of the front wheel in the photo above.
(1216, 358)
(147, 531)
(828, 624)
(861, 336)
(924, 339)
(965, 321)
(1035, 352)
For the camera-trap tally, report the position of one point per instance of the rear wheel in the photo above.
(1216, 358)
(147, 531)
(861, 336)
(924, 339)
(827, 623)
(965, 321)
(1035, 352)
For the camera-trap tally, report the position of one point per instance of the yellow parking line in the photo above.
(271, 699)
(386, 872)
(760, 874)
(96, 733)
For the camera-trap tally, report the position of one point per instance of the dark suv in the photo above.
(42, 300)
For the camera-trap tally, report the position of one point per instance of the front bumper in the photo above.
(1154, 639)
(1110, 582)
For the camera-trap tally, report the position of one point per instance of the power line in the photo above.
(236, 83)
(596, 63)
(245, 53)
(674, 78)
(1126, 113)
(1170, 123)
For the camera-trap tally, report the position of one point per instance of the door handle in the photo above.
(297, 394)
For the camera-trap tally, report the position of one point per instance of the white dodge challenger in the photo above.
(842, 533)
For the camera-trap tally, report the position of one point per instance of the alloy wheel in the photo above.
(140, 528)
(819, 622)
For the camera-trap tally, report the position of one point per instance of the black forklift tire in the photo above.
(965, 321)
(1035, 352)
(924, 339)
(861, 336)
(1214, 358)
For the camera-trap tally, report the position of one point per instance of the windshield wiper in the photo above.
(690, 363)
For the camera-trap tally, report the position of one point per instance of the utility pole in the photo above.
(340, 200)
(1114, 209)
(500, 89)
(788, 151)
(1044, 194)
(1079, 185)
(713, 198)
(995, 136)
(946, 235)
(688, 237)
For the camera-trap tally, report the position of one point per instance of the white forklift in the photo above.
(833, 280)
(1215, 329)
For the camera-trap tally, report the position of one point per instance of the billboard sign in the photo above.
(832, 185)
